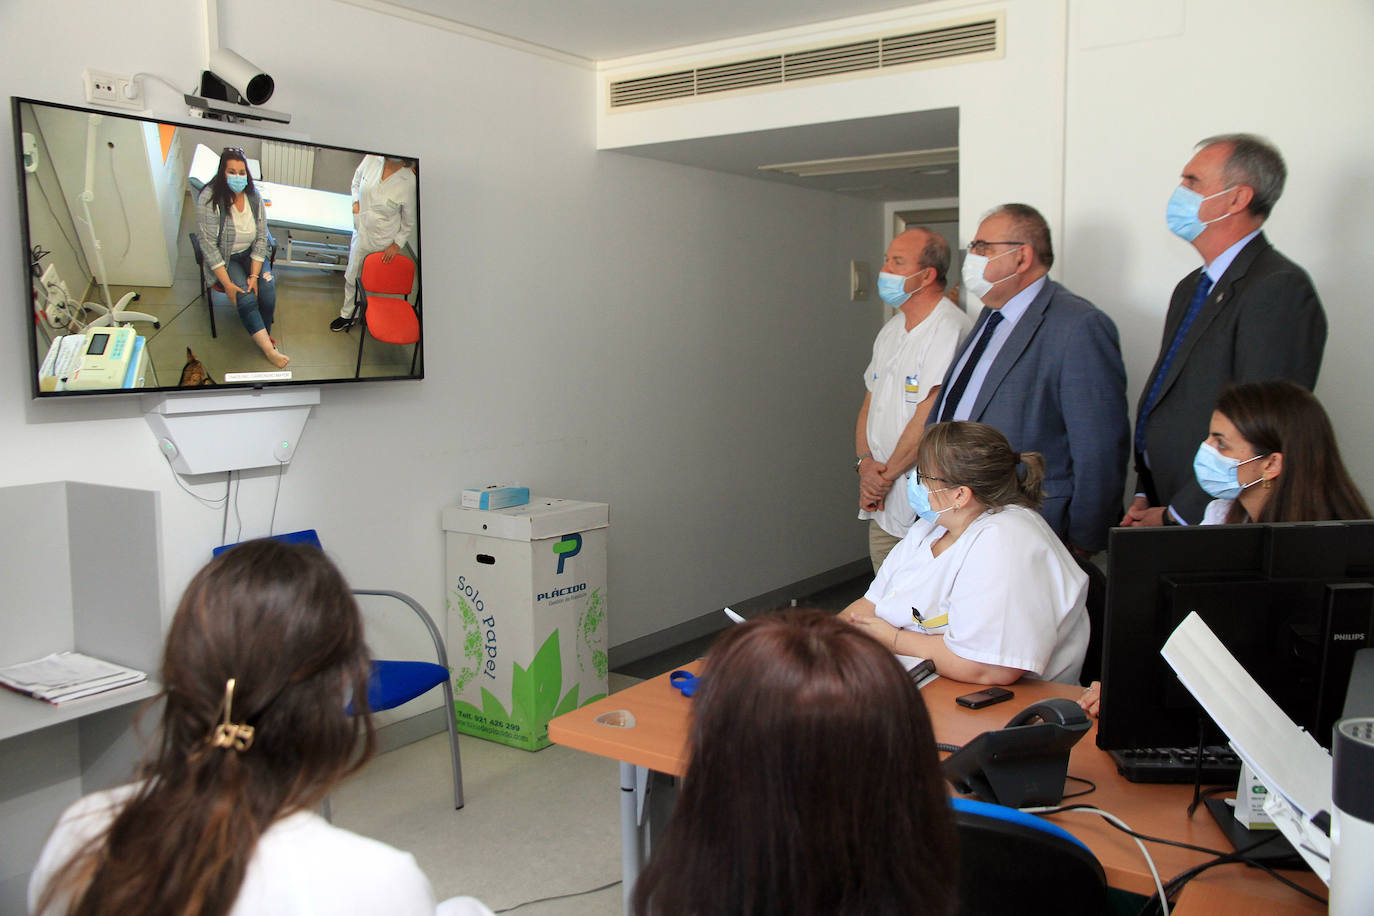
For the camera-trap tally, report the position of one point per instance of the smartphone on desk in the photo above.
(984, 697)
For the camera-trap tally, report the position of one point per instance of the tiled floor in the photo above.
(535, 825)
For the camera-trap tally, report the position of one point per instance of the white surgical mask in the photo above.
(974, 266)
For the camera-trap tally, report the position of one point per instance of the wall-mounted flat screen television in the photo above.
(132, 225)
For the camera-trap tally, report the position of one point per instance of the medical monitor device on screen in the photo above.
(1292, 602)
(107, 208)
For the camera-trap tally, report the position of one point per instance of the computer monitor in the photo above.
(1292, 602)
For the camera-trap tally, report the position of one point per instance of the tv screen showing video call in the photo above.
(131, 226)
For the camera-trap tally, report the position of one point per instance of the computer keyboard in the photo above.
(1220, 765)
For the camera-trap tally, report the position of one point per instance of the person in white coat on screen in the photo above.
(384, 204)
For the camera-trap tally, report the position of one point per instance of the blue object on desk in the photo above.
(685, 682)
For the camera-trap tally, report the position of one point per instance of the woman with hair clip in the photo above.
(233, 241)
(980, 585)
(812, 784)
(1270, 456)
(261, 661)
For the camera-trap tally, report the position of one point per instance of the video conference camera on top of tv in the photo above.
(232, 88)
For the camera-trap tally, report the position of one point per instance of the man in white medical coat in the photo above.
(384, 201)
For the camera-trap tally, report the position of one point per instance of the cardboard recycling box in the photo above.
(527, 632)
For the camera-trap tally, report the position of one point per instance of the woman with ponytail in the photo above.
(980, 585)
(261, 662)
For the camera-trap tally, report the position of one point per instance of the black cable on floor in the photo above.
(558, 897)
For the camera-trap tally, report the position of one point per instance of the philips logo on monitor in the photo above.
(566, 548)
(1348, 637)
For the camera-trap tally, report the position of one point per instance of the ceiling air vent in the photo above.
(979, 38)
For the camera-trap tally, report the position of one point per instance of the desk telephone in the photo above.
(98, 359)
(1025, 763)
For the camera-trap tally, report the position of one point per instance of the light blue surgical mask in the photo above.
(918, 495)
(892, 289)
(1219, 475)
(1181, 213)
(236, 183)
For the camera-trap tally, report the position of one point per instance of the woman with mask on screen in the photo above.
(384, 201)
(233, 239)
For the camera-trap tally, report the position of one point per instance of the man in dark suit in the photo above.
(1248, 314)
(1043, 366)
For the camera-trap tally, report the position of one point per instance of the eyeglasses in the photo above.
(922, 478)
(231, 149)
(980, 247)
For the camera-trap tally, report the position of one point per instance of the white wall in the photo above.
(1091, 116)
(1137, 105)
(674, 342)
(1011, 110)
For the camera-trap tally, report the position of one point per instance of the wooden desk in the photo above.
(658, 742)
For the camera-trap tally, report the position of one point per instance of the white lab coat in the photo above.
(1006, 593)
(386, 215)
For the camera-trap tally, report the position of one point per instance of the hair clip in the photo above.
(227, 734)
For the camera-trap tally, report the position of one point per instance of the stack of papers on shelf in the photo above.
(66, 676)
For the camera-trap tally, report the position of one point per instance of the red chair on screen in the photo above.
(384, 307)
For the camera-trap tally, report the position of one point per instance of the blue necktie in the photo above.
(956, 391)
(1204, 286)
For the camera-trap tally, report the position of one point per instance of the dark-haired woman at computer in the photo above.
(1270, 456)
(261, 660)
(980, 585)
(812, 784)
(233, 240)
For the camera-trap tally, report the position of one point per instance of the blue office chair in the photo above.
(1010, 861)
(395, 682)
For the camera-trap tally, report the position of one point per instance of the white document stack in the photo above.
(64, 676)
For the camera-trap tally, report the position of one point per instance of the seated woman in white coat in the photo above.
(261, 660)
(980, 585)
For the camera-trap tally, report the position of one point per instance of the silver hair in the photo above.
(1255, 163)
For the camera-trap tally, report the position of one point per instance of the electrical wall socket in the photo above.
(105, 88)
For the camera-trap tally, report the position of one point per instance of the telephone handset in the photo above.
(1025, 763)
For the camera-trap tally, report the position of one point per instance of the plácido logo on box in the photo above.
(565, 548)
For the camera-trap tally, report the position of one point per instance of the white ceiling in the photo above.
(609, 29)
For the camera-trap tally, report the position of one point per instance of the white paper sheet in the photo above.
(1290, 763)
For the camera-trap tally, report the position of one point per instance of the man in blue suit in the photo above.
(1043, 366)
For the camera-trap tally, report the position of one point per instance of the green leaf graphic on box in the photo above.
(568, 703)
(593, 699)
(534, 690)
(492, 708)
(472, 645)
